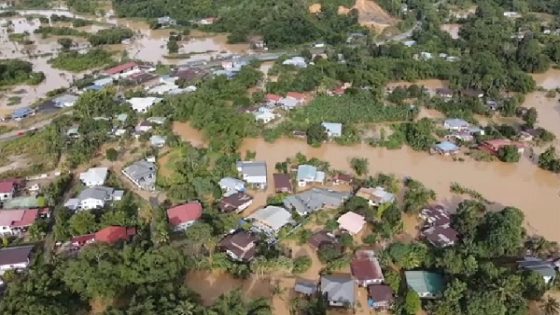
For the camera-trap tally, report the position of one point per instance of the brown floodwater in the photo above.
(430, 84)
(522, 185)
(548, 80)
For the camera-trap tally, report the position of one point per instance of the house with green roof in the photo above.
(427, 285)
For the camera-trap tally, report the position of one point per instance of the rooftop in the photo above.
(272, 216)
(15, 255)
(315, 199)
(114, 234)
(339, 288)
(351, 222)
(423, 282)
(184, 213)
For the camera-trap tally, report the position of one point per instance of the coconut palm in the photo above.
(550, 306)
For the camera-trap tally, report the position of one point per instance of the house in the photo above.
(16, 221)
(323, 238)
(441, 236)
(15, 258)
(334, 130)
(351, 222)
(426, 284)
(314, 200)
(257, 43)
(272, 99)
(101, 83)
(282, 183)
(297, 61)
(143, 127)
(22, 113)
(307, 174)
(207, 21)
(114, 234)
(141, 78)
(375, 196)
(65, 100)
(343, 179)
(495, 145)
(95, 197)
(240, 246)
(544, 268)
(446, 148)
(472, 93)
(270, 219)
(73, 132)
(142, 174)
(230, 185)
(157, 141)
(340, 290)
(264, 115)
(380, 296)
(435, 215)
(236, 202)
(253, 172)
(156, 120)
(143, 104)
(456, 124)
(166, 21)
(7, 189)
(288, 103)
(366, 269)
(445, 93)
(121, 69)
(185, 215)
(94, 176)
(307, 288)
(190, 75)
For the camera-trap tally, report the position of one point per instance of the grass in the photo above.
(458, 189)
(76, 62)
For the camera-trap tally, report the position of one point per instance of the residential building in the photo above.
(143, 127)
(351, 222)
(340, 290)
(253, 172)
(264, 115)
(282, 183)
(143, 104)
(544, 268)
(257, 43)
(95, 197)
(380, 296)
(445, 93)
(323, 238)
(495, 145)
(343, 179)
(65, 100)
(14, 222)
(314, 200)
(472, 93)
(298, 62)
(292, 100)
(157, 141)
(121, 69)
(230, 185)
(240, 246)
(456, 124)
(426, 284)
(22, 113)
(185, 215)
(7, 189)
(15, 258)
(270, 219)
(441, 236)
(435, 215)
(166, 21)
(272, 99)
(114, 234)
(307, 288)
(142, 174)
(366, 269)
(94, 176)
(334, 130)
(236, 202)
(307, 174)
(375, 196)
(446, 148)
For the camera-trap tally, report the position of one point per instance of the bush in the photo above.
(110, 36)
(301, 264)
(509, 154)
(76, 62)
(112, 154)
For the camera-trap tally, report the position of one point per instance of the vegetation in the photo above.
(15, 71)
(59, 31)
(84, 6)
(549, 160)
(316, 134)
(110, 36)
(360, 166)
(77, 62)
(509, 153)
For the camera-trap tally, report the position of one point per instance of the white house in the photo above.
(15, 258)
(7, 189)
(95, 176)
(65, 100)
(254, 173)
(157, 141)
(230, 185)
(143, 104)
(308, 174)
(264, 115)
(142, 174)
(334, 130)
(298, 62)
(376, 196)
(94, 198)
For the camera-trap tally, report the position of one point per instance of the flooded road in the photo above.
(521, 185)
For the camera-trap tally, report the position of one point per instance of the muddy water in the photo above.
(431, 84)
(548, 80)
(522, 185)
(451, 29)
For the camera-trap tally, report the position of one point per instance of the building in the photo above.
(236, 202)
(165, 21)
(22, 113)
(340, 290)
(292, 100)
(380, 296)
(334, 130)
(445, 93)
(257, 43)
(185, 215)
(230, 185)
(282, 183)
(143, 104)
(351, 222)
(240, 246)
(544, 268)
(121, 69)
(94, 198)
(142, 174)
(264, 115)
(441, 236)
(323, 238)
(495, 145)
(427, 285)
(94, 176)
(114, 234)
(343, 179)
(375, 196)
(65, 100)
(271, 219)
(298, 62)
(272, 99)
(157, 141)
(15, 222)
(456, 124)
(307, 288)
(366, 269)
(15, 258)
(435, 215)
(314, 200)
(8, 189)
(254, 173)
(472, 93)
(446, 148)
(307, 174)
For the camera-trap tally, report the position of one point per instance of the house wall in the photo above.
(184, 226)
(4, 268)
(259, 181)
(6, 230)
(6, 196)
(91, 203)
(91, 183)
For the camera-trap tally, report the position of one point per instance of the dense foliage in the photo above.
(77, 62)
(110, 36)
(15, 71)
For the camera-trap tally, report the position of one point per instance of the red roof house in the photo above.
(366, 268)
(7, 189)
(125, 67)
(16, 221)
(495, 145)
(296, 95)
(273, 98)
(182, 216)
(114, 234)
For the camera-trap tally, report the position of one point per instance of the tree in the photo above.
(548, 160)
(534, 286)
(530, 117)
(199, 235)
(316, 134)
(172, 46)
(359, 165)
(66, 43)
(550, 306)
(509, 154)
(417, 196)
(419, 135)
(302, 264)
(82, 223)
(412, 303)
(501, 233)
(112, 154)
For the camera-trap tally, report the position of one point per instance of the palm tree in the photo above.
(550, 306)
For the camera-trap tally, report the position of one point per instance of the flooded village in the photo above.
(185, 170)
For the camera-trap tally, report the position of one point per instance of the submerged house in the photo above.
(254, 173)
(340, 290)
(427, 285)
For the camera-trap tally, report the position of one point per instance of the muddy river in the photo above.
(522, 185)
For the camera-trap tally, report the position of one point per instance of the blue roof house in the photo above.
(309, 174)
(334, 130)
(446, 148)
(23, 112)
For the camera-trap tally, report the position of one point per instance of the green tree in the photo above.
(412, 303)
(65, 43)
(82, 223)
(548, 160)
(419, 135)
(359, 165)
(302, 264)
(417, 196)
(112, 154)
(316, 134)
(509, 154)
(530, 117)
(172, 46)
(534, 286)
